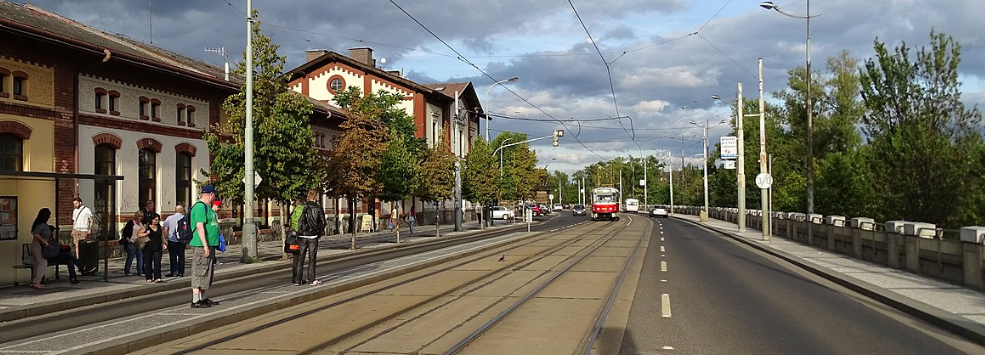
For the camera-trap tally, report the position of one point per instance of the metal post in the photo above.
(671, 182)
(645, 181)
(810, 125)
(458, 196)
(767, 209)
(705, 158)
(741, 161)
(249, 229)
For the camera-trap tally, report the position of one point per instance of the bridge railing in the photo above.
(955, 256)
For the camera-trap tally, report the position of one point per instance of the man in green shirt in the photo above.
(205, 224)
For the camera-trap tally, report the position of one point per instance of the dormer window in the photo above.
(155, 110)
(181, 115)
(144, 107)
(99, 104)
(114, 100)
(20, 85)
(190, 115)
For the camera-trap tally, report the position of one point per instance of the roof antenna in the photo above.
(150, 21)
(220, 51)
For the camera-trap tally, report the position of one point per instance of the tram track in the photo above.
(313, 310)
(394, 306)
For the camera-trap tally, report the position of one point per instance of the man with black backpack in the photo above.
(311, 227)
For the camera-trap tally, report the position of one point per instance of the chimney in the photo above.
(314, 54)
(394, 72)
(363, 55)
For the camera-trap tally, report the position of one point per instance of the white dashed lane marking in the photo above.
(662, 250)
(665, 305)
(663, 266)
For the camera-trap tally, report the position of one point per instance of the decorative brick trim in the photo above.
(107, 138)
(155, 119)
(4, 71)
(181, 105)
(20, 74)
(328, 84)
(144, 101)
(114, 93)
(149, 143)
(20, 97)
(18, 129)
(155, 102)
(190, 115)
(185, 148)
(101, 91)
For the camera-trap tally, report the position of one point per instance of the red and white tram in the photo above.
(605, 203)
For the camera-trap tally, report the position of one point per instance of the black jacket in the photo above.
(312, 220)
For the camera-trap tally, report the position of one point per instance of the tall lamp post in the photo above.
(704, 132)
(740, 158)
(249, 229)
(810, 115)
(513, 79)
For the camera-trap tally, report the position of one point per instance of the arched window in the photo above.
(11, 152)
(147, 189)
(105, 194)
(183, 179)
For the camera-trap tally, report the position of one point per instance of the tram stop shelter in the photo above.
(24, 193)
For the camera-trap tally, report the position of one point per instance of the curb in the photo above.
(940, 318)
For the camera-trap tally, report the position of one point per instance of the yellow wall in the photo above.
(40, 88)
(32, 195)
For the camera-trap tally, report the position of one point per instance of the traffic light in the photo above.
(558, 134)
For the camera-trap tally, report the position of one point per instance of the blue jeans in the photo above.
(411, 224)
(134, 252)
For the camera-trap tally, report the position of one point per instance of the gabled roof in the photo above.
(466, 91)
(33, 21)
(333, 57)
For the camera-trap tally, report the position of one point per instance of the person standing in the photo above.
(312, 226)
(153, 249)
(149, 212)
(176, 249)
(81, 224)
(411, 218)
(41, 234)
(128, 240)
(204, 242)
(394, 217)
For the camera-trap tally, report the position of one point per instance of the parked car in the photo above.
(567, 206)
(544, 209)
(537, 211)
(558, 207)
(500, 212)
(659, 211)
(578, 210)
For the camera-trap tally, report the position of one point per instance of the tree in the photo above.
(283, 153)
(436, 178)
(480, 173)
(924, 143)
(353, 167)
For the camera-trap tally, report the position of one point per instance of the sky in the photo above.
(581, 64)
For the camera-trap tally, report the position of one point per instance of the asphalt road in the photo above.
(727, 299)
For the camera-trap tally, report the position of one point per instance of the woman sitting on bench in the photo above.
(43, 236)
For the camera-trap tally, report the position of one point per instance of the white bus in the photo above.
(632, 205)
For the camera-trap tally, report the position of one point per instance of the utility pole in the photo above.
(645, 183)
(741, 176)
(767, 209)
(249, 229)
(671, 181)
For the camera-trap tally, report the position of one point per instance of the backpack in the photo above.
(185, 229)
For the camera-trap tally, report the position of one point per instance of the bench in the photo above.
(27, 262)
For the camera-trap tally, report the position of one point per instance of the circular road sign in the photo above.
(764, 180)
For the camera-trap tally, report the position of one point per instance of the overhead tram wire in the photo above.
(713, 16)
(608, 71)
(726, 56)
(484, 73)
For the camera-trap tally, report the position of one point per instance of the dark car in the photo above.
(535, 209)
(578, 210)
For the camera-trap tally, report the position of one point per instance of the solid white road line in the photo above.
(665, 305)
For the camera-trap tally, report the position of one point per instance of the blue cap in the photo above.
(208, 189)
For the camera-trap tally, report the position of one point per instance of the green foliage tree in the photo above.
(283, 153)
(924, 141)
(353, 167)
(436, 179)
(480, 174)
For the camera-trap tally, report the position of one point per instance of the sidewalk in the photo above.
(952, 307)
(22, 301)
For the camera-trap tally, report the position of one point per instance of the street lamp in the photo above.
(513, 79)
(740, 157)
(810, 115)
(500, 149)
(704, 132)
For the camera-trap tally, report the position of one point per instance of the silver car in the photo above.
(500, 212)
(659, 211)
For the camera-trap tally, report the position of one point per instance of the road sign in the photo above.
(551, 196)
(730, 147)
(729, 164)
(764, 180)
(256, 179)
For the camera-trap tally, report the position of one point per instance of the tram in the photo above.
(605, 203)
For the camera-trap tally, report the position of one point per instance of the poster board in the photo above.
(367, 224)
(8, 218)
